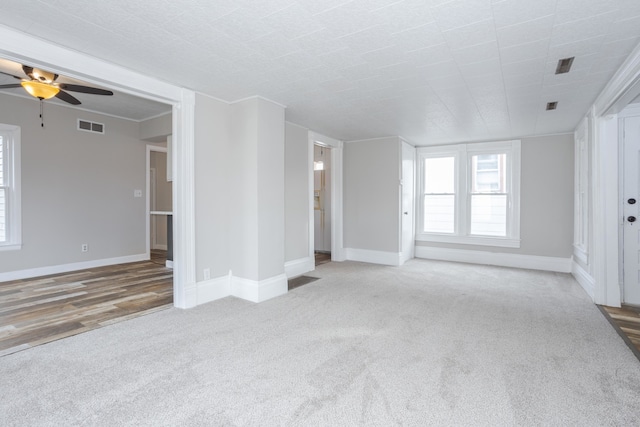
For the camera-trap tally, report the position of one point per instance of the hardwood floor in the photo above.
(44, 309)
(626, 320)
(322, 258)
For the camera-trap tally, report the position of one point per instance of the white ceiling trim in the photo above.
(622, 89)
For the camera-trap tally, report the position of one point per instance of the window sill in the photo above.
(503, 242)
(11, 247)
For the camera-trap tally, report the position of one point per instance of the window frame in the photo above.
(463, 154)
(11, 170)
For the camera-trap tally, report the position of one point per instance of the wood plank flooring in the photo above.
(322, 258)
(626, 320)
(44, 309)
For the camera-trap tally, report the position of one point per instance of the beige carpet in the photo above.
(429, 343)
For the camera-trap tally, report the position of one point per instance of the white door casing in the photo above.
(337, 249)
(631, 210)
(150, 194)
(152, 207)
(407, 193)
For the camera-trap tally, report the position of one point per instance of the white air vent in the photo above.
(88, 126)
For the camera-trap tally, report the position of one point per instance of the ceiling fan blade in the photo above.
(10, 75)
(84, 89)
(39, 74)
(10, 86)
(67, 98)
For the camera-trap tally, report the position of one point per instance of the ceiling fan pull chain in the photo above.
(41, 113)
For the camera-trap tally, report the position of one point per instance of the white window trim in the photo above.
(14, 214)
(463, 154)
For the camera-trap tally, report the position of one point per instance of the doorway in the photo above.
(159, 206)
(322, 203)
(630, 127)
(407, 192)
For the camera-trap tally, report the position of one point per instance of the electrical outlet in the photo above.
(84, 247)
(207, 274)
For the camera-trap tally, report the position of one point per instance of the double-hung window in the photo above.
(10, 233)
(470, 194)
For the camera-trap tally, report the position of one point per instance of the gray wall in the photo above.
(371, 194)
(296, 190)
(156, 129)
(270, 189)
(243, 159)
(256, 165)
(546, 204)
(77, 187)
(212, 184)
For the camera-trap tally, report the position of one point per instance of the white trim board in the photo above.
(66, 268)
(214, 289)
(583, 278)
(298, 267)
(374, 257)
(258, 291)
(337, 209)
(250, 290)
(531, 262)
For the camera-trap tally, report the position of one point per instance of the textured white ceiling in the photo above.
(432, 71)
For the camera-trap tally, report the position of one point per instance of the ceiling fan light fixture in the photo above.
(43, 76)
(40, 90)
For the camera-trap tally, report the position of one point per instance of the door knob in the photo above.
(631, 201)
(406, 213)
(631, 218)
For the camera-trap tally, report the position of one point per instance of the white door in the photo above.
(407, 203)
(631, 211)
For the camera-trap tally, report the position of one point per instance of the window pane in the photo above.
(439, 213)
(439, 175)
(489, 214)
(3, 215)
(488, 173)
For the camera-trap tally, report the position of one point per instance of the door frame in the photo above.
(405, 147)
(337, 246)
(150, 149)
(23, 48)
(632, 110)
(617, 94)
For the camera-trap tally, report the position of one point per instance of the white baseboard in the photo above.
(211, 290)
(298, 267)
(65, 268)
(584, 279)
(374, 257)
(190, 296)
(258, 291)
(168, 263)
(532, 262)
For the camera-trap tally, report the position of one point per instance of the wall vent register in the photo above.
(88, 126)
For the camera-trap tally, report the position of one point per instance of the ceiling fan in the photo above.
(42, 84)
